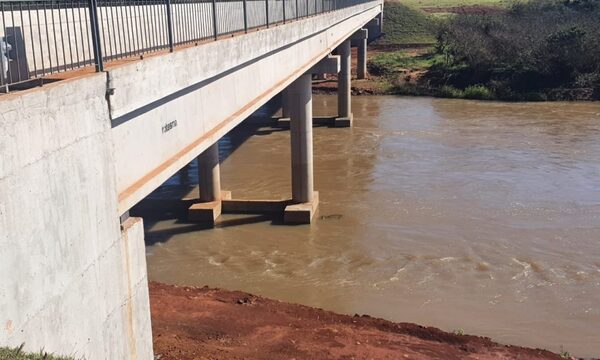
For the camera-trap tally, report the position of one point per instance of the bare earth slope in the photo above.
(203, 323)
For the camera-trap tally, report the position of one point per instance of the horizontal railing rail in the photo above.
(39, 38)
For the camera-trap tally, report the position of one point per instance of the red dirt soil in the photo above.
(203, 323)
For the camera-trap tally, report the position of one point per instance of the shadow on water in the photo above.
(182, 226)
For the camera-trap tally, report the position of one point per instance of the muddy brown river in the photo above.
(470, 216)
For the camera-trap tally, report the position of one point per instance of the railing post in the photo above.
(169, 25)
(245, 17)
(267, 12)
(93, 8)
(214, 11)
(297, 15)
(284, 11)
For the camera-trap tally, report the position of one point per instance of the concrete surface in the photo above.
(344, 86)
(72, 282)
(74, 159)
(166, 89)
(302, 213)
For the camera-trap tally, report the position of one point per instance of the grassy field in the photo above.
(451, 3)
(404, 25)
(17, 354)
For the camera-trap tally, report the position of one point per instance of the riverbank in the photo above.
(470, 51)
(204, 323)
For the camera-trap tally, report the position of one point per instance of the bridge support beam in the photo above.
(209, 181)
(305, 199)
(344, 118)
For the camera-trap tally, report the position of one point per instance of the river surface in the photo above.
(470, 216)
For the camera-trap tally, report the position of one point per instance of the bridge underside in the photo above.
(168, 109)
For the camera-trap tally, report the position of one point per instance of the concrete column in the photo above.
(361, 66)
(344, 89)
(208, 174)
(301, 139)
(285, 104)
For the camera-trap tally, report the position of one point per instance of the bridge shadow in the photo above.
(181, 225)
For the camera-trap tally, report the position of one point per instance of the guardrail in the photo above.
(39, 38)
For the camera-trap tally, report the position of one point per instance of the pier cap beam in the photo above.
(328, 65)
(361, 34)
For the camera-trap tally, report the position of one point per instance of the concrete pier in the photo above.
(303, 195)
(209, 183)
(359, 39)
(209, 177)
(344, 87)
(361, 67)
(285, 104)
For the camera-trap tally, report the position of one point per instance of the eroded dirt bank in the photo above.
(203, 323)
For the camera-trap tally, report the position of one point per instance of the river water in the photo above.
(470, 216)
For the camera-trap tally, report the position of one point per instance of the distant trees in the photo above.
(537, 49)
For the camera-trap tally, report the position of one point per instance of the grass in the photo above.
(389, 63)
(18, 354)
(404, 25)
(451, 3)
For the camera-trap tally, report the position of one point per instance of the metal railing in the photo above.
(39, 38)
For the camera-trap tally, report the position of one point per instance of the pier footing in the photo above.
(209, 211)
(301, 213)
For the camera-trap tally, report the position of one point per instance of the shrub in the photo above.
(450, 92)
(533, 47)
(478, 92)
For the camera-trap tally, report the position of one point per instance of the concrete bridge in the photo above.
(141, 90)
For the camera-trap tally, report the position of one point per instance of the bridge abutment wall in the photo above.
(73, 281)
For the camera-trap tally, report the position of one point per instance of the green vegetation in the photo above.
(542, 49)
(452, 3)
(18, 354)
(404, 25)
(535, 50)
(389, 63)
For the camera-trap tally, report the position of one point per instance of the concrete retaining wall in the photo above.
(63, 255)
